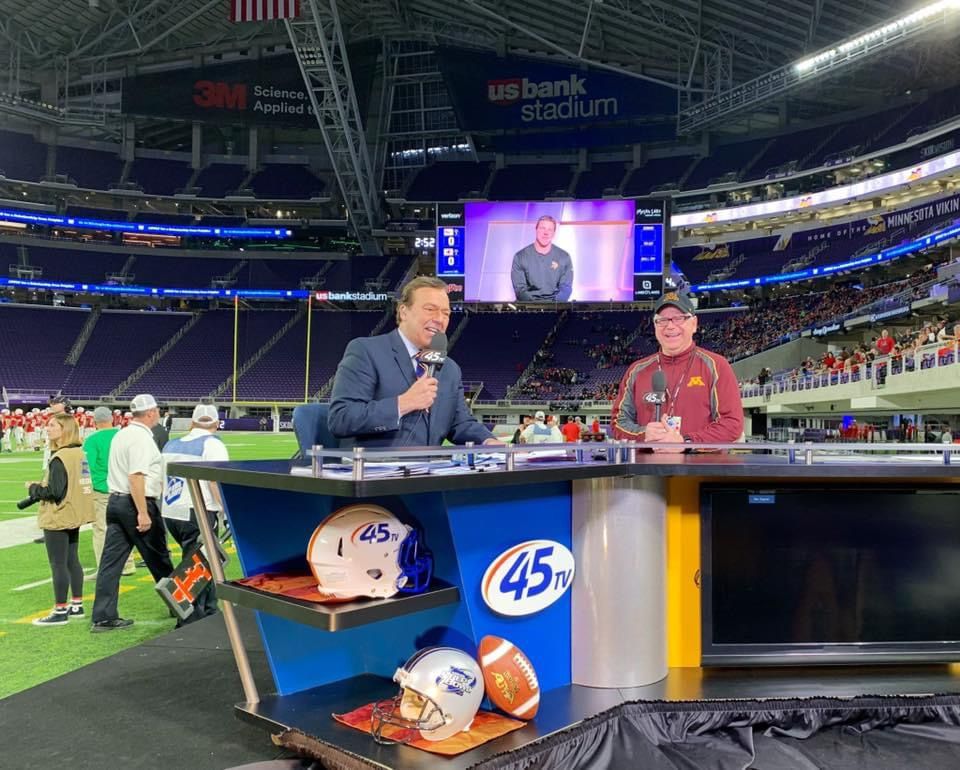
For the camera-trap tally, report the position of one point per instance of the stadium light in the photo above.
(777, 82)
(876, 37)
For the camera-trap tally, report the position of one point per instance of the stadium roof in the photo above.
(656, 37)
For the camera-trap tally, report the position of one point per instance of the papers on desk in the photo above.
(380, 470)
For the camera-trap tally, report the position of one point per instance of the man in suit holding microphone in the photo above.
(682, 394)
(400, 389)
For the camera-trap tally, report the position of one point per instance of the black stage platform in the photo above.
(169, 703)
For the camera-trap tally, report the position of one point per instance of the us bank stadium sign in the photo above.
(490, 92)
(351, 296)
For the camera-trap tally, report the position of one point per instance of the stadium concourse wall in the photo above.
(781, 357)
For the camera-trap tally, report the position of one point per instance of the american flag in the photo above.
(263, 10)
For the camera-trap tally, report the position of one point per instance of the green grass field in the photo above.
(31, 655)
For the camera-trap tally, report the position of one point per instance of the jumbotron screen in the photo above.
(553, 251)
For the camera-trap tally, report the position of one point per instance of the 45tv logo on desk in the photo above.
(528, 577)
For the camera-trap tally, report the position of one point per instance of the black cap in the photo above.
(679, 301)
(67, 406)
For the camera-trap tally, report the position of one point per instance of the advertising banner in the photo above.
(493, 93)
(268, 92)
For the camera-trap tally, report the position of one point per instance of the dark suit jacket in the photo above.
(363, 408)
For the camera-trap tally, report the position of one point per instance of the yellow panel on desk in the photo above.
(683, 571)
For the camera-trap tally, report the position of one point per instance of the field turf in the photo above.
(30, 655)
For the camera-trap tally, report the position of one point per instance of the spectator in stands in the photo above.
(542, 272)
(541, 433)
(703, 398)
(595, 426)
(66, 504)
(135, 480)
(384, 396)
(885, 343)
(97, 450)
(200, 444)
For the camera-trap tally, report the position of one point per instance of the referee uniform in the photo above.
(133, 454)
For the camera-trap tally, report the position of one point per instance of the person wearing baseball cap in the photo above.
(540, 433)
(135, 481)
(96, 447)
(700, 398)
(200, 444)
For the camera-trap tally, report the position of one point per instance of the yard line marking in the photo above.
(28, 586)
(43, 613)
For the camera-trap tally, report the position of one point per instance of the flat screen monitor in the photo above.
(836, 574)
(553, 251)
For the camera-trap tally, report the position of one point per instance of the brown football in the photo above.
(509, 678)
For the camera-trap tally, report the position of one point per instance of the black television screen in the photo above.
(836, 574)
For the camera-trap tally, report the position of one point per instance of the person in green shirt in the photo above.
(97, 450)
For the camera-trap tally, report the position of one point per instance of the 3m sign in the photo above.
(224, 96)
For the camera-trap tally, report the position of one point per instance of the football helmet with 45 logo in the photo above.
(364, 550)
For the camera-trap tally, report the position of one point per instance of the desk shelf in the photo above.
(339, 617)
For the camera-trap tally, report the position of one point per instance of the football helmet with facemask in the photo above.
(364, 550)
(440, 693)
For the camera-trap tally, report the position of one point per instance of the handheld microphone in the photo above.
(657, 396)
(435, 356)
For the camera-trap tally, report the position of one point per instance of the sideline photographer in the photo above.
(66, 504)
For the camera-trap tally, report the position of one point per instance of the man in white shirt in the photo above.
(541, 433)
(135, 481)
(200, 444)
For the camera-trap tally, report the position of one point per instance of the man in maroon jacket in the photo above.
(702, 396)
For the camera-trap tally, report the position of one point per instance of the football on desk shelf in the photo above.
(509, 678)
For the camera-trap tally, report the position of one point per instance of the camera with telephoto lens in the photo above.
(27, 502)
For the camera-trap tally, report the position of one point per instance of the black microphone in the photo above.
(435, 356)
(657, 396)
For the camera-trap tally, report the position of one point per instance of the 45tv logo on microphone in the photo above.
(528, 577)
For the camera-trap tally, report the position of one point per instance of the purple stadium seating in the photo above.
(34, 343)
(220, 179)
(280, 373)
(448, 181)
(120, 342)
(496, 347)
(88, 265)
(194, 272)
(521, 182)
(656, 172)
(725, 159)
(160, 176)
(21, 157)
(599, 177)
(796, 145)
(203, 357)
(286, 181)
(91, 169)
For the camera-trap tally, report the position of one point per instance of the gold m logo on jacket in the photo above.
(696, 382)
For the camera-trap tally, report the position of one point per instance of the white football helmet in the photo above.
(364, 550)
(440, 693)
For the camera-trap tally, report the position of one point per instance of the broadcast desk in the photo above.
(631, 614)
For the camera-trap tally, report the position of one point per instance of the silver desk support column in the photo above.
(229, 617)
(619, 608)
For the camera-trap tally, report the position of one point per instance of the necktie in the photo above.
(420, 366)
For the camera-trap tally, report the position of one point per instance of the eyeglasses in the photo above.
(675, 320)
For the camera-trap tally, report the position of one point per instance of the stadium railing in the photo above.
(878, 372)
